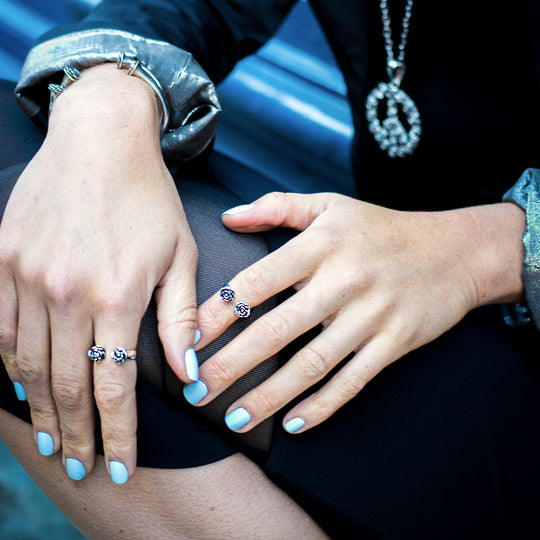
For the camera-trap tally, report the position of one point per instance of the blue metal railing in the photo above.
(286, 114)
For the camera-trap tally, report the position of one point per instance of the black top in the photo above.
(470, 70)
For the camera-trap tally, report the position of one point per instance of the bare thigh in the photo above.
(231, 498)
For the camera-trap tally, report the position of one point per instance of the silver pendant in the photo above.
(391, 135)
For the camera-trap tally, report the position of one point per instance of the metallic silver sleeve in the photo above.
(526, 194)
(190, 94)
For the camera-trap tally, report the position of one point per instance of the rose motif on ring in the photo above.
(96, 353)
(242, 310)
(226, 293)
(119, 355)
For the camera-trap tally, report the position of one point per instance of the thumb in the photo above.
(292, 210)
(177, 315)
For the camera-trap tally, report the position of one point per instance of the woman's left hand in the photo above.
(381, 282)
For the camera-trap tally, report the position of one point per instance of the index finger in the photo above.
(275, 272)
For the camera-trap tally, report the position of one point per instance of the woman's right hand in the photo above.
(93, 227)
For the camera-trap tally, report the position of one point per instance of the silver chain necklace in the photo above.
(390, 134)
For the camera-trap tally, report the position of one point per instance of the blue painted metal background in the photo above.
(286, 115)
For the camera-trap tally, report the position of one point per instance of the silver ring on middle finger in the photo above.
(97, 353)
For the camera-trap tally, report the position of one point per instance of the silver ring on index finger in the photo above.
(121, 355)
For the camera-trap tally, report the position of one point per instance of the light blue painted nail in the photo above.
(237, 210)
(119, 473)
(195, 392)
(75, 469)
(19, 391)
(294, 424)
(192, 366)
(237, 419)
(45, 443)
(197, 337)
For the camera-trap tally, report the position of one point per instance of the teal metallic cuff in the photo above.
(526, 194)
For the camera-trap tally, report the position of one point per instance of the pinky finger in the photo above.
(345, 385)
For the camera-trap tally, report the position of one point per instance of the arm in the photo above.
(102, 152)
(93, 226)
(217, 33)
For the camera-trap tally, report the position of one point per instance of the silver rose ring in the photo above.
(96, 353)
(226, 293)
(121, 355)
(242, 310)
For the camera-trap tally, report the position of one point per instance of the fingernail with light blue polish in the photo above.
(192, 366)
(75, 469)
(19, 391)
(237, 210)
(237, 419)
(197, 337)
(195, 392)
(45, 443)
(294, 424)
(119, 473)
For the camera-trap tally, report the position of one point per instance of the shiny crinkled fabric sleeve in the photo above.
(526, 194)
(188, 45)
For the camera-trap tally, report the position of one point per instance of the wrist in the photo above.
(107, 101)
(497, 261)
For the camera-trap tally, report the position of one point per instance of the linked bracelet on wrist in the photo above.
(136, 68)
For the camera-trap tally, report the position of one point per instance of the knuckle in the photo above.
(185, 317)
(274, 197)
(255, 281)
(219, 371)
(321, 408)
(60, 286)
(118, 443)
(351, 386)
(110, 395)
(71, 439)
(31, 372)
(273, 329)
(41, 414)
(8, 338)
(266, 400)
(70, 395)
(211, 314)
(312, 364)
(8, 255)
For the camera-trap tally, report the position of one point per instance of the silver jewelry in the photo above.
(71, 74)
(134, 67)
(121, 355)
(96, 353)
(390, 134)
(226, 293)
(242, 310)
(139, 69)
